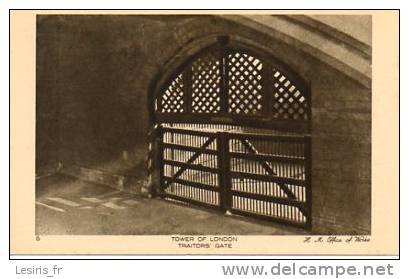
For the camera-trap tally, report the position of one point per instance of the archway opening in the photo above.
(231, 133)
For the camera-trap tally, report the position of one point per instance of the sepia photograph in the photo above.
(203, 124)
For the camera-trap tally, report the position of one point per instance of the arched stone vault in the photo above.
(289, 37)
(318, 39)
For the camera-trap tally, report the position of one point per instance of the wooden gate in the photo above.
(257, 175)
(218, 115)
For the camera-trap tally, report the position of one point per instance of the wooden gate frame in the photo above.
(225, 173)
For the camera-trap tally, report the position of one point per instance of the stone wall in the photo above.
(47, 98)
(93, 80)
(341, 154)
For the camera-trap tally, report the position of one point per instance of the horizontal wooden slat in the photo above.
(190, 166)
(268, 218)
(188, 148)
(260, 197)
(267, 157)
(268, 178)
(241, 135)
(191, 132)
(299, 126)
(190, 201)
(192, 184)
(264, 137)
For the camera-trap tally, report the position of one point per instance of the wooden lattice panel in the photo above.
(244, 84)
(227, 82)
(288, 101)
(172, 100)
(206, 79)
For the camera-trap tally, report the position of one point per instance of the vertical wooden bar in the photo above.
(308, 184)
(224, 72)
(224, 170)
(159, 159)
(187, 90)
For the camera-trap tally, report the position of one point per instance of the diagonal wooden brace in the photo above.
(190, 161)
(268, 169)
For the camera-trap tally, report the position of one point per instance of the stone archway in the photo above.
(230, 131)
